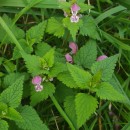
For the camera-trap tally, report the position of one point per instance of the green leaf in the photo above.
(49, 57)
(67, 79)
(89, 28)
(27, 48)
(106, 66)
(19, 33)
(35, 33)
(87, 54)
(13, 94)
(42, 49)
(31, 120)
(55, 27)
(72, 27)
(33, 64)
(80, 76)
(3, 109)
(85, 106)
(12, 114)
(69, 106)
(3, 125)
(57, 68)
(106, 91)
(36, 97)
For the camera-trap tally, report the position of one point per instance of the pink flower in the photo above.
(69, 58)
(102, 57)
(74, 9)
(38, 87)
(36, 80)
(74, 19)
(74, 47)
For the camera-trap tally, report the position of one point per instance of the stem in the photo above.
(62, 112)
(99, 6)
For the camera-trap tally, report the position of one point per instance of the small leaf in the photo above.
(3, 125)
(106, 66)
(55, 27)
(80, 76)
(36, 97)
(106, 91)
(85, 106)
(13, 94)
(31, 120)
(87, 54)
(35, 33)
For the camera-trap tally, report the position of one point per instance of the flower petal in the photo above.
(74, 19)
(69, 58)
(74, 47)
(36, 80)
(102, 57)
(38, 88)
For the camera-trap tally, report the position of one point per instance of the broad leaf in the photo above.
(3, 125)
(31, 120)
(35, 33)
(55, 27)
(13, 94)
(87, 54)
(85, 106)
(36, 97)
(106, 66)
(106, 91)
(80, 76)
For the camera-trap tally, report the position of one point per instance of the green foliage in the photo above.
(19, 33)
(85, 106)
(72, 27)
(13, 94)
(55, 27)
(31, 120)
(87, 54)
(36, 97)
(106, 91)
(69, 106)
(36, 33)
(3, 125)
(106, 66)
(81, 77)
(67, 79)
(33, 64)
(42, 49)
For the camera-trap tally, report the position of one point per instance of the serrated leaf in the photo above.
(31, 120)
(85, 106)
(42, 49)
(72, 27)
(106, 66)
(81, 77)
(67, 79)
(3, 125)
(35, 33)
(89, 28)
(36, 97)
(69, 106)
(27, 48)
(55, 27)
(49, 57)
(13, 94)
(33, 64)
(106, 91)
(12, 114)
(87, 54)
(57, 68)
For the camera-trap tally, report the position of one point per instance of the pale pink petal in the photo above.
(74, 47)
(102, 57)
(74, 19)
(36, 80)
(69, 58)
(38, 88)
(75, 8)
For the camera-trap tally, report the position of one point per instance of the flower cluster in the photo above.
(73, 46)
(37, 80)
(74, 10)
